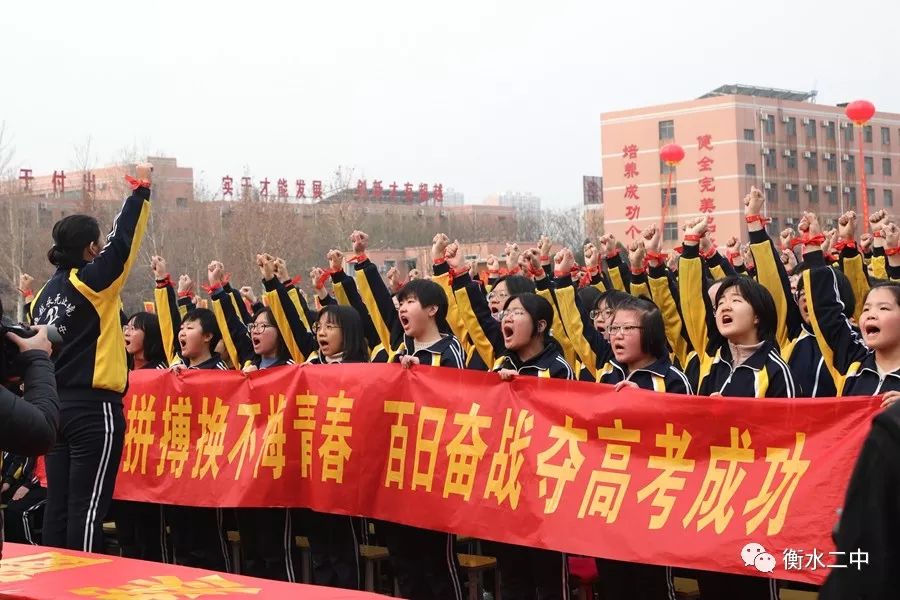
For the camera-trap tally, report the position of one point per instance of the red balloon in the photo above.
(672, 153)
(860, 111)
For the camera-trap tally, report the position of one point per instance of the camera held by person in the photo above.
(28, 423)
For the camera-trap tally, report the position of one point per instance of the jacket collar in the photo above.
(541, 361)
(756, 361)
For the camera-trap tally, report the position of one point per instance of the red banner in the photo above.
(37, 573)
(739, 485)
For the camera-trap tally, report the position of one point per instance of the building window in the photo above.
(885, 135)
(793, 194)
(750, 170)
(181, 202)
(870, 196)
(791, 126)
(888, 198)
(848, 133)
(771, 161)
(770, 124)
(829, 130)
(813, 194)
(832, 195)
(869, 165)
(851, 197)
(665, 168)
(772, 194)
(851, 164)
(811, 128)
(666, 130)
(831, 162)
(811, 162)
(886, 166)
(673, 198)
(749, 135)
(670, 231)
(867, 134)
(774, 227)
(388, 265)
(792, 159)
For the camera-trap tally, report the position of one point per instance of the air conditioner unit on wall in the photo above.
(766, 151)
(846, 189)
(827, 156)
(828, 188)
(767, 185)
(845, 157)
(808, 187)
(806, 121)
(789, 186)
(807, 155)
(785, 119)
(787, 153)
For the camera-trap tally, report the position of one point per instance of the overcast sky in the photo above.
(481, 96)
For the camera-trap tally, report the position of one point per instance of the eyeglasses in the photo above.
(623, 329)
(514, 313)
(258, 327)
(497, 296)
(596, 313)
(326, 327)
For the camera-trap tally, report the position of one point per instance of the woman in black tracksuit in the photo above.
(82, 300)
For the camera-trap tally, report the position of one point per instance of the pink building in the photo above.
(804, 156)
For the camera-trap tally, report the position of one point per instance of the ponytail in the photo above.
(71, 235)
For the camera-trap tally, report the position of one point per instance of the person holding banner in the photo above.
(139, 525)
(198, 534)
(424, 561)
(82, 301)
(525, 322)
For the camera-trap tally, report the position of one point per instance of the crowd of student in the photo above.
(813, 313)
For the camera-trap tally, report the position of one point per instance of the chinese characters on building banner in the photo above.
(570, 466)
(632, 196)
(705, 180)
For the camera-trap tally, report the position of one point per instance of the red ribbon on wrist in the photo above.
(892, 251)
(757, 218)
(709, 253)
(164, 282)
(440, 261)
(186, 294)
(320, 282)
(878, 234)
(815, 240)
(136, 183)
(841, 244)
(545, 259)
(691, 237)
(358, 259)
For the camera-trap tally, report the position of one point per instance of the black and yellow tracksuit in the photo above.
(763, 375)
(23, 516)
(534, 572)
(92, 374)
(424, 561)
(851, 363)
(198, 533)
(797, 342)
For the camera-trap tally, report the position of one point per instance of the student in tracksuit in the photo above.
(798, 344)
(868, 363)
(334, 539)
(525, 324)
(139, 526)
(746, 363)
(267, 534)
(198, 535)
(338, 338)
(424, 561)
(23, 495)
(82, 300)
